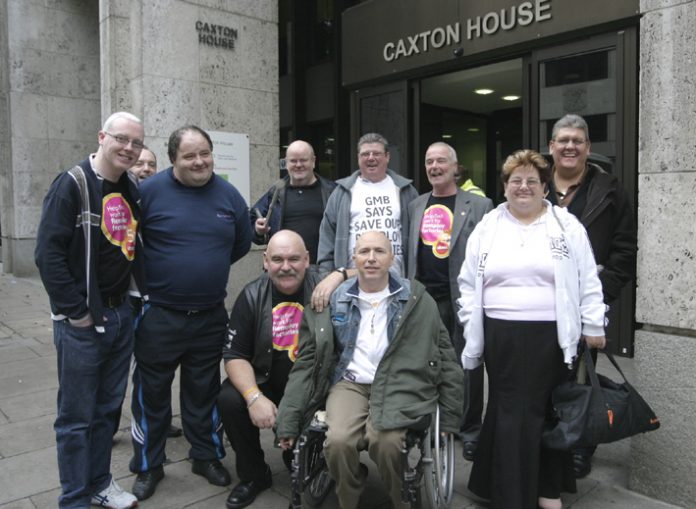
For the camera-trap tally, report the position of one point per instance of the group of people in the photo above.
(375, 303)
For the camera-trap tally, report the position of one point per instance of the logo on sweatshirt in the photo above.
(118, 223)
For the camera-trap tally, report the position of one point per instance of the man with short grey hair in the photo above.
(372, 198)
(597, 199)
(86, 254)
(440, 224)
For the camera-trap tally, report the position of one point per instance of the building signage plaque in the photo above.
(218, 36)
(389, 38)
(231, 156)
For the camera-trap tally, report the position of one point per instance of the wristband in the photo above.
(254, 398)
(249, 391)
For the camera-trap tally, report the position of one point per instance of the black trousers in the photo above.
(166, 339)
(511, 468)
(241, 432)
(473, 379)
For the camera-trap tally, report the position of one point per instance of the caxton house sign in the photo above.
(508, 18)
(218, 36)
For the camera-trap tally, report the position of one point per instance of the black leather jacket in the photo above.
(608, 219)
(260, 298)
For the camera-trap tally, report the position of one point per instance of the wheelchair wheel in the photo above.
(438, 469)
(318, 489)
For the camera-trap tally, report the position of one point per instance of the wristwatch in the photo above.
(343, 271)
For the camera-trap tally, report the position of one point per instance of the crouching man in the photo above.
(260, 350)
(382, 359)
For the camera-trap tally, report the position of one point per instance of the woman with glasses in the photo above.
(529, 294)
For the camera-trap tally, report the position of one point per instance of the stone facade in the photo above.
(69, 64)
(665, 347)
(49, 113)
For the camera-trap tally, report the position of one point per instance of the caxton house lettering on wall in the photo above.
(218, 36)
(523, 14)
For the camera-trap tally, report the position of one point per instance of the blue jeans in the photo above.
(92, 376)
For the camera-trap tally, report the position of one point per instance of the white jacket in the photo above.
(580, 307)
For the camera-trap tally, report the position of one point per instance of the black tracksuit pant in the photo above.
(165, 340)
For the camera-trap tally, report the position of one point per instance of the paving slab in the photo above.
(26, 474)
(22, 407)
(28, 467)
(26, 436)
(13, 353)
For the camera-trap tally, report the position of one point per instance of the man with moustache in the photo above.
(440, 224)
(597, 199)
(195, 225)
(260, 350)
(296, 202)
(87, 249)
(372, 198)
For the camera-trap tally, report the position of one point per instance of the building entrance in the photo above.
(480, 113)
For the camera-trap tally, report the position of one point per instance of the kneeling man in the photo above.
(382, 359)
(260, 350)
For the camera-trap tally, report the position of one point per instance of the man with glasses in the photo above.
(86, 254)
(597, 199)
(440, 224)
(296, 202)
(372, 198)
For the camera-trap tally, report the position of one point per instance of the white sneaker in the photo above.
(114, 497)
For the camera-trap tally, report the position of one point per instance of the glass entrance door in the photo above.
(480, 113)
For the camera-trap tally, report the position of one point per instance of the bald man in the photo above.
(259, 352)
(295, 202)
(382, 358)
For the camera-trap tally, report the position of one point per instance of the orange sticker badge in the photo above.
(436, 229)
(118, 223)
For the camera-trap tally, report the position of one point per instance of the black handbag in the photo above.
(599, 413)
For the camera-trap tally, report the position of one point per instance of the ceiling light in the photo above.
(446, 136)
(473, 129)
(510, 97)
(483, 91)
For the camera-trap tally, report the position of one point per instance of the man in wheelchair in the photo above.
(381, 360)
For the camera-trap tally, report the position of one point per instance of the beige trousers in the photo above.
(350, 431)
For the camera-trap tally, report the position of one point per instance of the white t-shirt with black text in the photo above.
(376, 206)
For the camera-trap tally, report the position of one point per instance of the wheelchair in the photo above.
(427, 459)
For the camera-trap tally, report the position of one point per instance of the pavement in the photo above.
(28, 468)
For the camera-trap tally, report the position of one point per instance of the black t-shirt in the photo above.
(242, 340)
(302, 213)
(119, 225)
(434, 237)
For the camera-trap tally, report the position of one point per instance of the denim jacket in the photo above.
(345, 318)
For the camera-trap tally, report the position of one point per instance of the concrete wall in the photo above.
(153, 65)
(49, 110)
(664, 462)
(65, 65)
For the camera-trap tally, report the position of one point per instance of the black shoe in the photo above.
(146, 482)
(246, 491)
(468, 450)
(582, 464)
(213, 471)
(174, 432)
